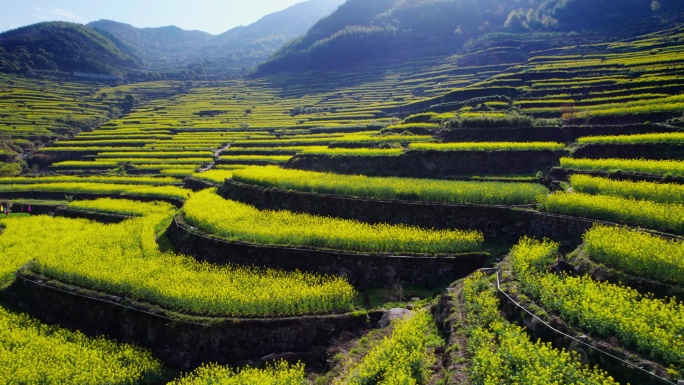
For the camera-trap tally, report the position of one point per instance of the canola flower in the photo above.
(124, 259)
(280, 373)
(214, 176)
(642, 166)
(656, 192)
(100, 188)
(653, 326)
(353, 151)
(487, 146)
(401, 358)
(124, 207)
(636, 252)
(35, 353)
(130, 180)
(667, 217)
(666, 137)
(255, 158)
(502, 353)
(430, 190)
(237, 221)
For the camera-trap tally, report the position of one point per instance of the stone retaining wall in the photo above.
(92, 215)
(566, 134)
(618, 370)
(362, 270)
(655, 151)
(181, 341)
(495, 222)
(46, 195)
(425, 164)
(560, 173)
(195, 184)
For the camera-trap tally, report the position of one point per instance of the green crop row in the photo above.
(658, 216)
(236, 221)
(653, 326)
(502, 353)
(656, 192)
(654, 167)
(493, 193)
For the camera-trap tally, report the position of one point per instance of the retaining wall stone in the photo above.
(425, 164)
(46, 195)
(362, 270)
(565, 134)
(181, 341)
(92, 215)
(495, 222)
(195, 184)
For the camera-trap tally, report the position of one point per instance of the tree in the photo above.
(10, 169)
(515, 22)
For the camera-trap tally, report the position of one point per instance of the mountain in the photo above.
(172, 48)
(155, 46)
(65, 47)
(370, 29)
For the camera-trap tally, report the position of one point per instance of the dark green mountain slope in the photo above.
(369, 29)
(173, 48)
(155, 45)
(62, 46)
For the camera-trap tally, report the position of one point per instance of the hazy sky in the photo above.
(213, 16)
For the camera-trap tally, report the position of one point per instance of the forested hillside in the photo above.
(62, 46)
(362, 30)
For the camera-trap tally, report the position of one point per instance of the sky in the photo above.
(213, 16)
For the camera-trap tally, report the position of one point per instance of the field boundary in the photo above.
(363, 270)
(181, 341)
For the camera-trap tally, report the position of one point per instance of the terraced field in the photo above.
(256, 230)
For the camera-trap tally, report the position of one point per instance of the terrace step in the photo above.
(180, 340)
(363, 270)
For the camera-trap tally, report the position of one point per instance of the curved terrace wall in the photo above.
(362, 270)
(67, 212)
(195, 184)
(506, 223)
(560, 173)
(565, 134)
(654, 151)
(433, 163)
(47, 195)
(181, 341)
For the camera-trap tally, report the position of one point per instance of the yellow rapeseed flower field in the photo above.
(430, 190)
(125, 259)
(503, 353)
(35, 353)
(237, 221)
(653, 326)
